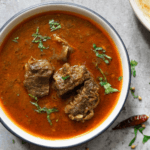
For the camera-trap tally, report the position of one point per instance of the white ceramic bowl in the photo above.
(144, 19)
(19, 17)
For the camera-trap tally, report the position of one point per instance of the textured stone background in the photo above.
(137, 41)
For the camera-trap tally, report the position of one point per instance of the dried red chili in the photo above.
(132, 121)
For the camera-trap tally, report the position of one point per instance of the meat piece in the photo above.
(81, 108)
(76, 76)
(60, 40)
(38, 73)
(64, 53)
(66, 48)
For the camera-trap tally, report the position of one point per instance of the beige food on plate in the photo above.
(144, 6)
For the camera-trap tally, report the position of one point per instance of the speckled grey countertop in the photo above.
(137, 40)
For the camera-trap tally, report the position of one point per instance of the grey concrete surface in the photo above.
(137, 40)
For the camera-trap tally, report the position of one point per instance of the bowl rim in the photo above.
(126, 52)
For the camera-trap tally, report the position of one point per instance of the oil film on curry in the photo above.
(58, 74)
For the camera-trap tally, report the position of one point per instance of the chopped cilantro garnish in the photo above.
(108, 88)
(133, 140)
(133, 63)
(40, 39)
(33, 97)
(102, 74)
(54, 25)
(120, 78)
(37, 30)
(105, 84)
(146, 138)
(98, 48)
(40, 110)
(64, 78)
(136, 128)
(94, 46)
(36, 105)
(15, 40)
(102, 55)
(41, 47)
(23, 142)
(48, 111)
(13, 141)
(132, 92)
(140, 129)
(100, 79)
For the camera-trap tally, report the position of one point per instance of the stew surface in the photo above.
(81, 33)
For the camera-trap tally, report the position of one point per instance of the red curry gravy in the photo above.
(81, 33)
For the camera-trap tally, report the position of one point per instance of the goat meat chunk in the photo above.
(76, 75)
(37, 75)
(81, 108)
(66, 48)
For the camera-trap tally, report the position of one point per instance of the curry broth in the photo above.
(81, 33)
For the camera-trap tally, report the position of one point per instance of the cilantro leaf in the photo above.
(102, 83)
(100, 79)
(40, 39)
(105, 84)
(132, 92)
(141, 130)
(136, 128)
(35, 104)
(107, 56)
(40, 110)
(108, 88)
(54, 25)
(41, 47)
(133, 63)
(102, 74)
(120, 78)
(49, 111)
(23, 142)
(33, 97)
(94, 46)
(37, 30)
(102, 55)
(133, 140)
(64, 78)
(15, 40)
(146, 138)
(97, 48)
(13, 141)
